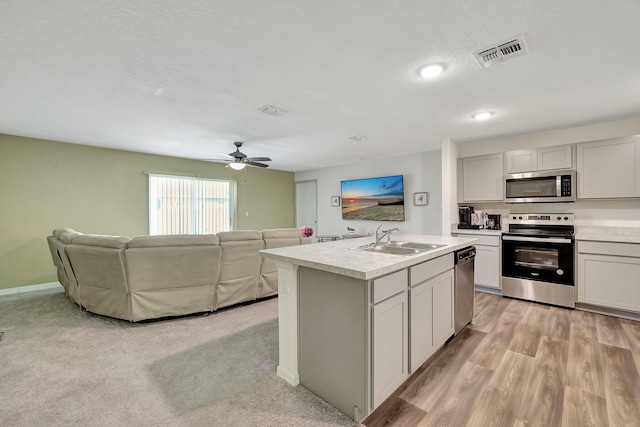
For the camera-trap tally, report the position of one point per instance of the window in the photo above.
(188, 205)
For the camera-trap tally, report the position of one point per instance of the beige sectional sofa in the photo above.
(150, 277)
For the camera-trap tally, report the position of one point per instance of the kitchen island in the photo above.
(354, 324)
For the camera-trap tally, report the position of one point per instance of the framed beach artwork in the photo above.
(373, 199)
(335, 201)
(420, 199)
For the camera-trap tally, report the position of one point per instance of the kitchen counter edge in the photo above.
(608, 234)
(342, 258)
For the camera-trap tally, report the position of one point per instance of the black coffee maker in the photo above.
(493, 221)
(464, 217)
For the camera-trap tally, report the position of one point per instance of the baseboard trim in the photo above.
(31, 288)
(486, 290)
(291, 378)
(608, 311)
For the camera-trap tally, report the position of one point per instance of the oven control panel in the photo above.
(540, 219)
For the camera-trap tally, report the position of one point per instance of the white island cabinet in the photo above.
(355, 324)
(431, 308)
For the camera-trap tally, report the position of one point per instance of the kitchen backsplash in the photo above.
(610, 213)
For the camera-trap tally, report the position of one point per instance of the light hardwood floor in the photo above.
(525, 364)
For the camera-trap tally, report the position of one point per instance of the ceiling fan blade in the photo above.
(256, 164)
(239, 157)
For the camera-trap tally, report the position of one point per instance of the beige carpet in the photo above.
(60, 366)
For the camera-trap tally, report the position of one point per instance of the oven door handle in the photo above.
(535, 239)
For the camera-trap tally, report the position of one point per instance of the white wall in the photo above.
(422, 172)
(449, 185)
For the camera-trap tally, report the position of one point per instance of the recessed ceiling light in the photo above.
(484, 115)
(431, 71)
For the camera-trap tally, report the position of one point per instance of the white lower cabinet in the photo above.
(431, 308)
(390, 368)
(609, 275)
(487, 270)
(487, 266)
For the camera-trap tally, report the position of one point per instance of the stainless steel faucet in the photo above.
(384, 233)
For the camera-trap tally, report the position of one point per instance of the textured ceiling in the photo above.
(186, 78)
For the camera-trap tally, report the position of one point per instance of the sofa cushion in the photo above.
(240, 269)
(174, 240)
(67, 236)
(58, 231)
(117, 242)
(230, 236)
(281, 233)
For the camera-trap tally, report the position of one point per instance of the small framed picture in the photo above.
(420, 199)
(335, 201)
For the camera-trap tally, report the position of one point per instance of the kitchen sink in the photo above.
(415, 245)
(400, 248)
(395, 250)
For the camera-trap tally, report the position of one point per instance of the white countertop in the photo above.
(340, 256)
(608, 234)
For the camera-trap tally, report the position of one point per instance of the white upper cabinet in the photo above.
(540, 159)
(559, 157)
(521, 161)
(482, 178)
(609, 168)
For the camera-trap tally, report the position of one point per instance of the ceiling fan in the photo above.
(238, 160)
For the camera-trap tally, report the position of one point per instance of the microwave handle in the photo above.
(558, 185)
(535, 239)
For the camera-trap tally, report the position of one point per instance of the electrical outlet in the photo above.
(246, 213)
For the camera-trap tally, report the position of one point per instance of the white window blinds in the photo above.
(189, 205)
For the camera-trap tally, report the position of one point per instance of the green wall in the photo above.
(48, 184)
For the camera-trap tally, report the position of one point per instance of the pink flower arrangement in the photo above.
(306, 231)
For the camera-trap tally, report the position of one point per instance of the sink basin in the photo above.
(415, 245)
(395, 250)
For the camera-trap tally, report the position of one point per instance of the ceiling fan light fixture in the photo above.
(431, 71)
(237, 166)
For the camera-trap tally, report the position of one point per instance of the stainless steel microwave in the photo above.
(540, 187)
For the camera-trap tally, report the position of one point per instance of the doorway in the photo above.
(306, 205)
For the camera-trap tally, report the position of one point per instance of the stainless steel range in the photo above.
(538, 258)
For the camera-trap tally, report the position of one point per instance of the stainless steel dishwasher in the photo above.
(463, 287)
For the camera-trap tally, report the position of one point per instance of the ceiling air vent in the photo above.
(501, 52)
(272, 111)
